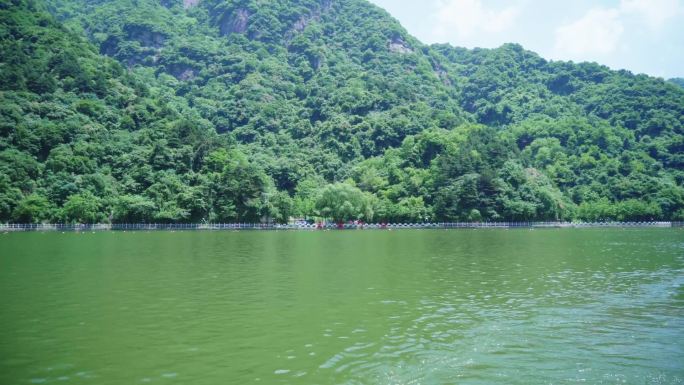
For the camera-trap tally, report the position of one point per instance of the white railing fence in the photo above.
(6, 227)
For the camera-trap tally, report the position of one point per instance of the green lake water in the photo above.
(599, 306)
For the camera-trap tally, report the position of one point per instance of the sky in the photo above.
(642, 36)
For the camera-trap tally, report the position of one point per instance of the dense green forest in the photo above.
(237, 110)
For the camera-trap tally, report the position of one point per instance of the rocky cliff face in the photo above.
(185, 3)
(398, 45)
(234, 22)
(145, 35)
(181, 71)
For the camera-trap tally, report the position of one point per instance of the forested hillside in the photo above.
(238, 110)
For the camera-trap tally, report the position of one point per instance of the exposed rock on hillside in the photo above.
(235, 22)
(145, 35)
(190, 3)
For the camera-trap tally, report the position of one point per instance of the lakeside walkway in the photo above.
(327, 226)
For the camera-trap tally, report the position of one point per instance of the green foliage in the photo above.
(238, 189)
(628, 210)
(281, 207)
(32, 209)
(343, 202)
(677, 81)
(82, 208)
(133, 209)
(142, 111)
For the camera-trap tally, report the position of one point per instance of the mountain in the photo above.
(677, 81)
(207, 110)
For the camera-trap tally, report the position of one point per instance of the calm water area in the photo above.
(558, 306)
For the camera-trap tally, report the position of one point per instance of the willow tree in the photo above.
(342, 202)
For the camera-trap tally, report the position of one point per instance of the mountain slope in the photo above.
(299, 93)
(677, 81)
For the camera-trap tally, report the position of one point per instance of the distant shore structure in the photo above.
(11, 227)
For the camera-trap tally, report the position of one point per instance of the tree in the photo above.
(597, 211)
(32, 208)
(133, 209)
(457, 200)
(240, 190)
(342, 202)
(637, 210)
(9, 197)
(304, 202)
(82, 208)
(411, 209)
(280, 207)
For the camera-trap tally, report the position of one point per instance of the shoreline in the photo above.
(329, 226)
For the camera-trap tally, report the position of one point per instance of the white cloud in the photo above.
(655, 13)
(465, 18)
(597, 32)
(600, 30)
(631, 34)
